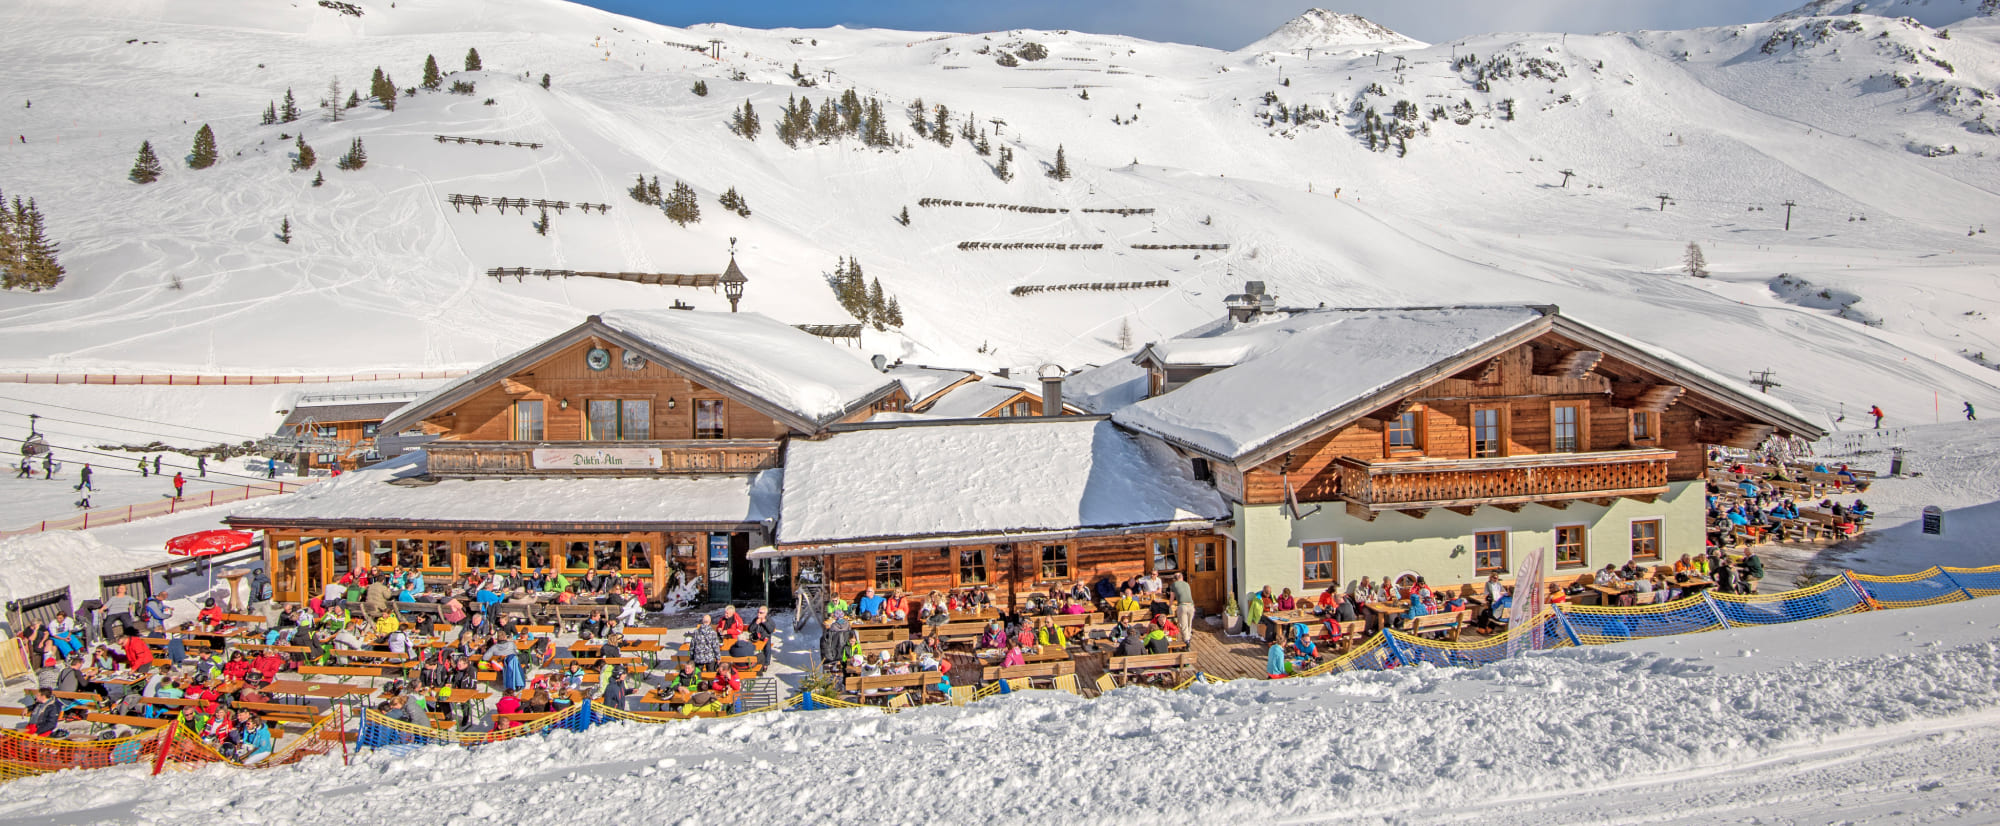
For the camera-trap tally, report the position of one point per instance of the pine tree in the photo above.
(305, 156)
(10, 246)
(878, 306)
(653, 194)
(745, 123)
(146, 169)
(1692, 261)
(876, 132)
(285, 230)
(332, 102)
(202, 156)
(904, 217)
(981, 146)
(941, 127)
(432, 77)
(682, 207)
(542, 226)
(270, 113)
(894, 316)
(827, 123)
(290, 111)
(472, 60)
(37, 267)
(1061, 170)
(735, 203)
(356, 157)
(638, 191)
(919, 118)
(319, 179)
(851, 112)
(383, 89)
(1125, 335)
(545, 80)
(1004, 169)
(353, 98)
(701, 88)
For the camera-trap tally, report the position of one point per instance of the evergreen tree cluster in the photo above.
(432, 77)
(745, 123)
(701, 88)
(287, 113)
(1060, 171)
(28, 259)
(849, 116)
(356, 157)
(1005, 168)
(681, 206)
(862, 298)
(303, 156)
(146, 168)
(383, 90)
(735, 203)
(472, 63)
(645, 192)
(202, 156)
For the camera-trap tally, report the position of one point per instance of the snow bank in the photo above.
(1010, 475)
(40, 562)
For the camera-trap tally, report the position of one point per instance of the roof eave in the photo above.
(1747, 403)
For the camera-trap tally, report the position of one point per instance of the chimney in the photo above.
(1052, 395)
(1250, 303)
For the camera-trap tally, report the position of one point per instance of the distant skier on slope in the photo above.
(1876, 411)
(1970, 414)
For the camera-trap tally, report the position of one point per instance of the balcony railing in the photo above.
(649, 458)
(1503, 480)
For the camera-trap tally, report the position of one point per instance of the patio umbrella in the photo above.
(210, 543)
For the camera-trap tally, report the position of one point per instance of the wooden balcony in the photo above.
(557, 459)
(1506, 481)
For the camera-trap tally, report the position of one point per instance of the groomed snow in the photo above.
(1290, 370)
(368, 494)
(1018, 475)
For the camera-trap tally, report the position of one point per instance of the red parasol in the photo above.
(210, 543)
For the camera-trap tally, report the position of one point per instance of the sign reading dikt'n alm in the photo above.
(600, 458)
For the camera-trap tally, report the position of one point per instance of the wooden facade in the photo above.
(1014, 570)
(459, 459)
(359, 434)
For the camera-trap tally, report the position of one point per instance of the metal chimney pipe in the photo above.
(1052, 404)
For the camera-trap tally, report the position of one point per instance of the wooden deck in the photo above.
(1232, 658)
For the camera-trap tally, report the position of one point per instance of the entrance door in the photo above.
(1205, 576)
(778, 583)
(719, 573)
(748, 585)
(314, 552)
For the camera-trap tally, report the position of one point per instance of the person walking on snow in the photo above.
(271, 468)
(1970, 414)
(201, 465)
(27, 468)
(1876, 411)
(48, 466)
(84, 482)
(144, 471)
(156, 464)
(180, 483)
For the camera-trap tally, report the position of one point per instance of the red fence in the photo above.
(196, 379)
(102, 517)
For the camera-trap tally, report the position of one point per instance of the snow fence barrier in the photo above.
(175, 745)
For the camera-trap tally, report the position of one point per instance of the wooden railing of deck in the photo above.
(678, 456)
(1504, 479)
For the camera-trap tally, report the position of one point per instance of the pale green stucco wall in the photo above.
(1267, 540)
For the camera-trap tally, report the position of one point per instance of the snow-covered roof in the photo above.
(780, 370)
(1006, 476)
(921, 382)
(1287, 372)
(1106, 388)
(369, 495)
(355, 412)
(974, 399)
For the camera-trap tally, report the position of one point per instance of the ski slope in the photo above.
(383, 273)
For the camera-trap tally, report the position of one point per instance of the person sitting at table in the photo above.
(1642, 591)
(703, 702)
(1286, 602)
(1364, 592)
(1557, 595)
(731, 624)
(1015, 656)
(1392, 590)
(1105, 588)
(1050, 635)
(836, 605)
(1495, 615)
(895, 608)
(237, 668)
(1341, 610)
(1125, 602)
(1631, 570)
(1156, 638)
(1417, 608)
(869, 605)
(508, 704)
(993, 638)
(1608, 577)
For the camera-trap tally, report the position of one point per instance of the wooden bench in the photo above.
(570, 615)
(1445, 625)
(1126, 668)
(674, 715)
(632, 631)
(901, 683)
(961, 630)
(245, 619)
(868, 635)
(594, 662)
(1344, 634)
(171, 702)
(283, 712)
(128, 720)
(83, 697)
(281, 649)
(1032, 671)
(1829, 525)
(350, 671)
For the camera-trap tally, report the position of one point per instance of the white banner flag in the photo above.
(1522, 633)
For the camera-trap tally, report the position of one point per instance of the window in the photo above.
(1645, 426)
(410, 553)
(605, 555)
(888, 572)
(1646, 539)
(1564, 428)
(616, 420)
(1203, 472)
(1205, 557)
(383, 552)
(577, 556)
(1021, 409)
(972, 566)
(322, 458)
(638, 556)
(1489, 552)
(1488, 438)
(538, 555)
(329, 432)
(1055, 562)
(1403, 432)
(1569, 547)
(478, 554)
(1319, 564)
(507, 553)
(368, 430)
(1166, 554)
(710, 419)
(439, 556)
(527, 421)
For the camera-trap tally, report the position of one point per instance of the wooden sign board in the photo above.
(601, 458)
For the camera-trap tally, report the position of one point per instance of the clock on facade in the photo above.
(633, 361)
(598, 358)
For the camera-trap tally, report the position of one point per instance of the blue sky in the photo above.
(1223, 24)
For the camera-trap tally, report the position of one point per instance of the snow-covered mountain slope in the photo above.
(1929, 12)
(1433, 178)
(1331, 33)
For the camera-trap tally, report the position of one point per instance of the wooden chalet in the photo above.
(1444, 442)
(1019, 506)
(645, 442)
(349, 423)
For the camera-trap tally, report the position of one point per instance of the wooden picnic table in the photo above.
(1608, 594)
(324, 691)
(681, 696)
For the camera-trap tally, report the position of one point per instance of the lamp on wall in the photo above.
(670, 402)
(564, 404)
(944, 551)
